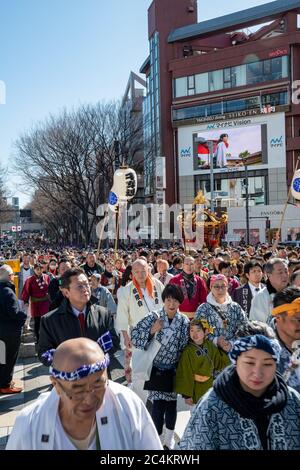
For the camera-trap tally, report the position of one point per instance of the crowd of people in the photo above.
(227, 324)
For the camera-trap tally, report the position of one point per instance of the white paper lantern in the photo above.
(124, 187)
(125, 184)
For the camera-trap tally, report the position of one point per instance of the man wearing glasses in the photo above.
(75, 415)
(75, 316)
(286, 322)
(276, 270)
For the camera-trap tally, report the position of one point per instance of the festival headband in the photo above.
(246, 343)
(105, 341)
(291, 309)
(217, 277)
(205, 325)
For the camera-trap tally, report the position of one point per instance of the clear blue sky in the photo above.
(61, 53)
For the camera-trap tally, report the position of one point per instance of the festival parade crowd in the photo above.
(219, 328)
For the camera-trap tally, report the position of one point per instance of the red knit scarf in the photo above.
(149, 287)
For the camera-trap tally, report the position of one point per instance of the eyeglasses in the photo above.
(82, 287)
(220, 287)
(98, 388)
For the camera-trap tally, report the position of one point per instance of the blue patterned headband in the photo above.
(268, 345)
(105, 342)
(81, 372)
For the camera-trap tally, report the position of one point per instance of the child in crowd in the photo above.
(198, 362)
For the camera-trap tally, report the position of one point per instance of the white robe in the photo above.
(262, 306)
(122, 420)
(128, 311)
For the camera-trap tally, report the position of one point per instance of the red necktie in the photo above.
(81, 321)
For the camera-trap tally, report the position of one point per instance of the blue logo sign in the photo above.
(186, 152)
(276, 142)
(112, 198)
(296, 185)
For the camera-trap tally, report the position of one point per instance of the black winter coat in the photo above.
(11, 317)
(61, 324)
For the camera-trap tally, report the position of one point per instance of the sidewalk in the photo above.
(34, 377)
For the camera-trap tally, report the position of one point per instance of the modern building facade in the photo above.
(234, 75)
(132, 107)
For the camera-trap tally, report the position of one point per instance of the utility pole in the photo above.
(210, 145)
(247, 202)
(211, 162)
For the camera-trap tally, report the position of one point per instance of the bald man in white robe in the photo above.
(88, 413)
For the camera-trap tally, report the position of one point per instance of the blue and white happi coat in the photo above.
(214, 425)
(170, 350)
(234, 316)
(293, 376)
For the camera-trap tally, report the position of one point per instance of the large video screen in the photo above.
(230, 146)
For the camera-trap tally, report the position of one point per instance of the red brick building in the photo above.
(233, 75)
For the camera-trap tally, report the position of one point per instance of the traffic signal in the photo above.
(268, 224)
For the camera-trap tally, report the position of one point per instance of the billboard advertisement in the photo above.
(261, 139)
(230, 147)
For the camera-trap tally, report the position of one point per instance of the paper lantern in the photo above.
(124, 187)
(295, 188)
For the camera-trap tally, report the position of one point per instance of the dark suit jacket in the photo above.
(12, 318)
(61, 324)
(243, 296)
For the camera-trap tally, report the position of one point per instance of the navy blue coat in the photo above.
(11, 317)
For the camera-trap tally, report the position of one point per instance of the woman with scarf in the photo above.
(193, 288)
(250, 407)
(172, 331)
(221, 313)
(111, 278)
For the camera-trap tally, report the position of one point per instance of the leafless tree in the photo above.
(69, 161)
(5, 209)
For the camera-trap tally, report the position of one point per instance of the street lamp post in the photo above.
(247, 203)
(209, 144)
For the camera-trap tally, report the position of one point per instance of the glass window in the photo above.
(191, 85)
(254, 72)
(267, 69)
(234, 105)
(253, 102)
(231, 192)
(201, 83)
(276, 68)
(227, 77)
(180, 87)
(238, 75)
(191, 81)
(274, 99)
(285, 66)
(215, 80)
(214, 108)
